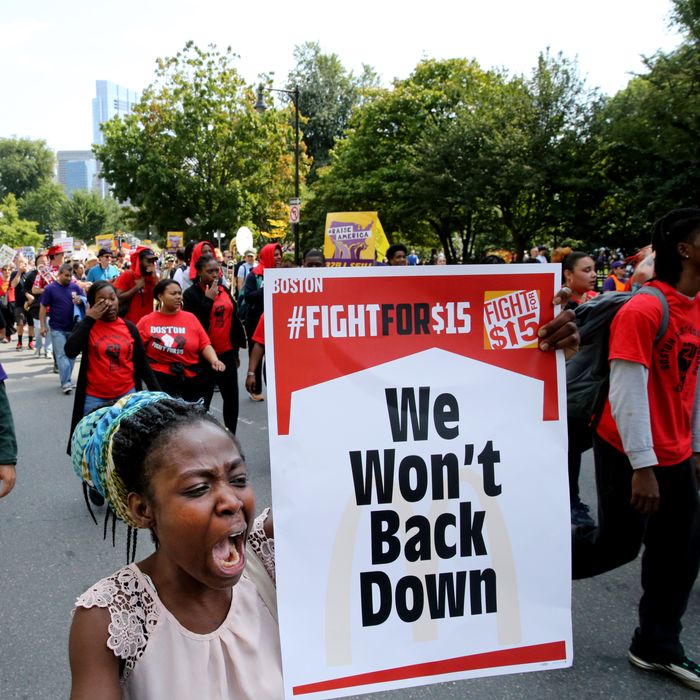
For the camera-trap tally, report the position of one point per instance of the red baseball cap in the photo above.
(55, 250)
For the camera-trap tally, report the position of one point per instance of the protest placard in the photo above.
(418, 456)
(66, 242)
(106, 241)
(175, 240)
(7, 254)
(354, 239)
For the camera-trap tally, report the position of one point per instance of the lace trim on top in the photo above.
(132, 608)
(263, 547)
(132, 612)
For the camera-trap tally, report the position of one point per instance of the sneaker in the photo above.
(257, 397)
(686, 671)
(19, 345)
(580, 515)
(66, 388)
(30, 345)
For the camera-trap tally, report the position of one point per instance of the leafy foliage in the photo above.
(24, 165)
(44, 205)
(648, 138)
(15, 231)
(194, 154)
(87, 215)
(327, 95)
(472, 156)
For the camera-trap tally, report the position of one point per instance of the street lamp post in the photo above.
(260, 108)
(219, 235)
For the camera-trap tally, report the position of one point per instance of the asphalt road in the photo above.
(50, 551)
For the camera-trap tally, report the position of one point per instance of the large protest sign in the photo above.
(354, 239)
(418, 453)
(7, 254)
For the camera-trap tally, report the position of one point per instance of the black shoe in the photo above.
(95, 497)
(580, 516)
(685, 670)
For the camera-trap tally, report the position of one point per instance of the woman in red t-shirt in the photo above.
(7, 302)
(209, 300)
(113, 358)
(176, 344)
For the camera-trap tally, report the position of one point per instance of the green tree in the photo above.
(540, 145)
(44, 205)
(15, 231)
(194, 154)
(24, 165)
(648, 138)
(86, 215)
(327, 95)
(472, 156)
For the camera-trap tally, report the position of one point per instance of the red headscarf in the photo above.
(197, 254)
(135, 258)
(266, 258)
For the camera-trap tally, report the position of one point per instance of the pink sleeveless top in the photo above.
(165, 661)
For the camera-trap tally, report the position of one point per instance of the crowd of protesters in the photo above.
(176, 326)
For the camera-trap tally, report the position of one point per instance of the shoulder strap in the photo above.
(656, 292)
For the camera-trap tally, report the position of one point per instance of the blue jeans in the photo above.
(45, 342)
(65, 365)
(92, 403)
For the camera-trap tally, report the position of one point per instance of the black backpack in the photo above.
(588, 371)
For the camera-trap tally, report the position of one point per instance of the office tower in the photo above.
(111, 100)
(77, 170)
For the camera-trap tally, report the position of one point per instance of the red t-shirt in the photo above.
(173, 338)
(220, 322)
(142, 302)
(259, 334)
(41, 279)
(672, 365)
(111, 360)
(7, 288)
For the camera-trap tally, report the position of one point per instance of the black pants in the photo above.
(227, 381)
(671, 539)
(580, 440)
(189, 388)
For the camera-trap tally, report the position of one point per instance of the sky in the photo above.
(52, 52)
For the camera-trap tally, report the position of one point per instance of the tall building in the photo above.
(77, 170)
(111, 100)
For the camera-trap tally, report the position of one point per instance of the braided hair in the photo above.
(677, 226)
(138, 444)
(117, 449)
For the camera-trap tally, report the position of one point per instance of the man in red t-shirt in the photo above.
(135, 286)
(647, 452)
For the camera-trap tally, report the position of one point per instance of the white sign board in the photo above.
(7, 254)
(419, 474)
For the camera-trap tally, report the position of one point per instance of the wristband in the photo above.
(251, 374)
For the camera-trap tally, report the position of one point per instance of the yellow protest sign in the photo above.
(354, 239)
(174, 240)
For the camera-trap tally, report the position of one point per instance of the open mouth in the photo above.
(228, 552)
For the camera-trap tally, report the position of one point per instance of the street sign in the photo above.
(293, 213)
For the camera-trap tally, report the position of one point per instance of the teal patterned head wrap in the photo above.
(91, 449)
